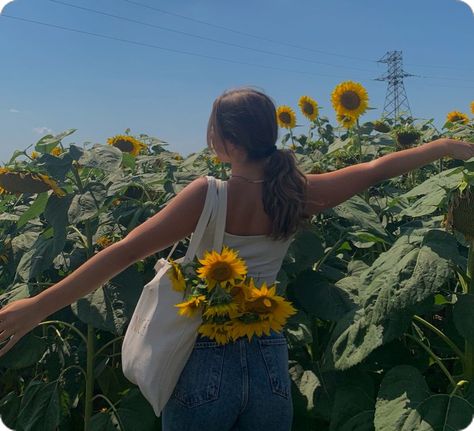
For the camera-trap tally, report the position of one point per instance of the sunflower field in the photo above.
(383, 336)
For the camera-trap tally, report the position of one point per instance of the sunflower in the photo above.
(472, 107)
(406, 138)
(27, 182)
(248, 325)
(215, 160)
(52, 184)
(104, 241)
(127, 144)
(221, 332)
(230, 309)
(176, 276)
(350, 98)
(381, 126)
(286, 117)
(309, 107)
(459, 215)
(223, 268)
(189, 308)
(267, 304)
(346, 120)
(457, 117)
(34, 154)
(56, 151)
(240, 292)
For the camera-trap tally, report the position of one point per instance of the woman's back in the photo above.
(246, 229)
(245, 213)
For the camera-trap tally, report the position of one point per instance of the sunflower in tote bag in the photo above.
(230, 303)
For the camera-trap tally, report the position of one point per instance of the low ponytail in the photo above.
(284, 193)
(247, 118)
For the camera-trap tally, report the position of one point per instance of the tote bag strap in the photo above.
(209, 207)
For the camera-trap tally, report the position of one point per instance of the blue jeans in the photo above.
(239, 386)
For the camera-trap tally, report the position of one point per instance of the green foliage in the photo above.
(382, 339)
(405, 401)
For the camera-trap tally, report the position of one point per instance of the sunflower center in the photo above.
(221, 271)
(285, 117)
(350, 100)
(124, 145)
(262, 305)
(308, 108)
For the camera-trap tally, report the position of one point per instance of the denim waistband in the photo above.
(273, 334)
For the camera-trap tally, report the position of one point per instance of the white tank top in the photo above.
(262, 254)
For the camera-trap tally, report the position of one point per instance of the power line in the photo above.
(230, 43)
(149, 45)
(440, 67)
(305, 48)
(445, 86)
(206, 38)
(221, 27)
(447, 79)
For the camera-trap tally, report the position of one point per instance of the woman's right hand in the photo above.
(18, 318)
(460, 150)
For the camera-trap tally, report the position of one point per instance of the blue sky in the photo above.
(53, 79)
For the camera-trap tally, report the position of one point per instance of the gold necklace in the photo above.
(246, 179)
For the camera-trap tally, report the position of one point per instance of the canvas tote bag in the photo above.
(158, 341)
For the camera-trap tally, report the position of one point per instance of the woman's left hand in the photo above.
(17, 319)
(461, 150)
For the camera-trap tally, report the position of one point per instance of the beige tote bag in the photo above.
(158, 341)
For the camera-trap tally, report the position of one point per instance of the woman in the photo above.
(269, 198)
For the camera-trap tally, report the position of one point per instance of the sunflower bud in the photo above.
(406, 138)
(381, 126)
(460, 210)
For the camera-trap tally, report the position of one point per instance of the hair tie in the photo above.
(271, 150)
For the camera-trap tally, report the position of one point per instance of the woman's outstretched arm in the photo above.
(332, 188)
(174, 222)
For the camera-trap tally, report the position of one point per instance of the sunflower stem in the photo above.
(446, 339)
(359, 141)
(318, 124)
(434, 357)
(112, 406)
(90, 329)
(359, 147)
(291, 136)
(99, 351)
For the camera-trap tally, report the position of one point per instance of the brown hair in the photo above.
(247, 118)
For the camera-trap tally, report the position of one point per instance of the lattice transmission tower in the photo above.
(396, 101)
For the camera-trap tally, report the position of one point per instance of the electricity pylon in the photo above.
(396, 101)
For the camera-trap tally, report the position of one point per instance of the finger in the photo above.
(5, 335)
(13, 340)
